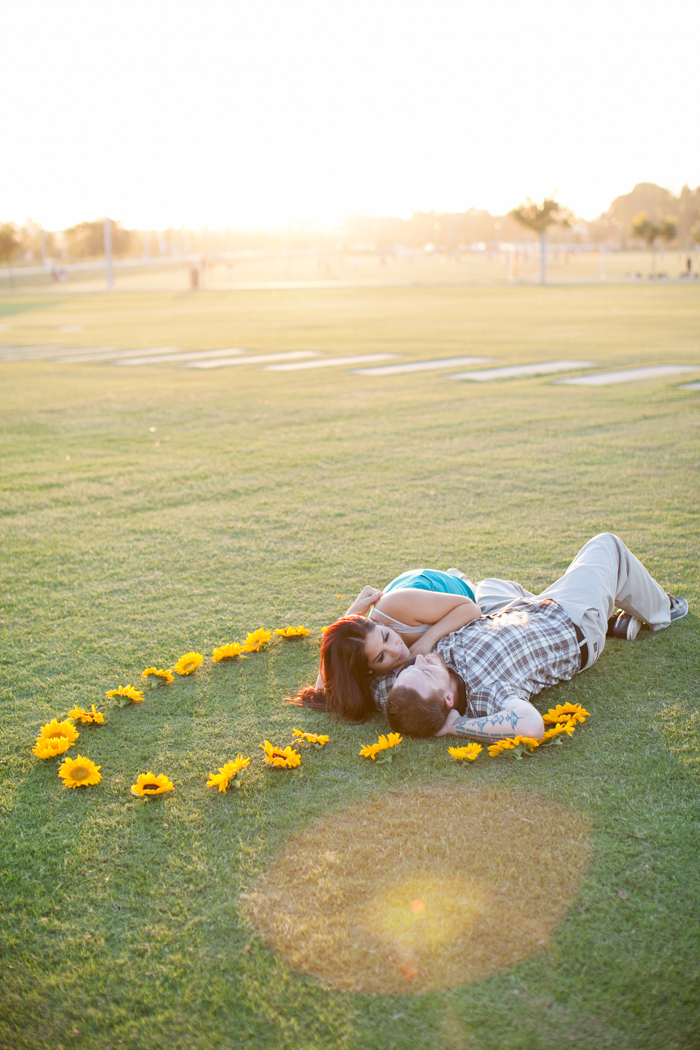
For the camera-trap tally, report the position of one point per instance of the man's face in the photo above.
(427, 675)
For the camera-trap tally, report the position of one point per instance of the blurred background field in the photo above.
(415, 267)
(147, 512)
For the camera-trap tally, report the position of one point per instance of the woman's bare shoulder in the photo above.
(404, 605)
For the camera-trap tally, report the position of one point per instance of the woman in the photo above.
(381, 631)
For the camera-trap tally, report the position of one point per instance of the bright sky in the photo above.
(235, 112)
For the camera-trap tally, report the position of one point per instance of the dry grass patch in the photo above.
(424, 889)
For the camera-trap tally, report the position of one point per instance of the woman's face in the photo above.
(385, 649)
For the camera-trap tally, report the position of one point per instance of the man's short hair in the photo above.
(410, 713)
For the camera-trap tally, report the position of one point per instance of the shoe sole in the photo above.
(679, 613)
(626, 627)
(633, 628)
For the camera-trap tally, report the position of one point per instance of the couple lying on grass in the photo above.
(439, 656)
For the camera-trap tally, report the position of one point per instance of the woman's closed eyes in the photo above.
(385, 639)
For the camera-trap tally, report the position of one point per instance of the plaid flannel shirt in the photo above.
(516, 653)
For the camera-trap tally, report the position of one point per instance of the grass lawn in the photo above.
(148, 512)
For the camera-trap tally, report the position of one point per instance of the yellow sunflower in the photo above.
(80, 714)
(58, 732)
(50, 748)
(188, 663)
(227, 772)
(227, 652)
(557, 730)
(566, 713)
(149, 784)
(285, 758)
(79, 772)
(256, 639)
(530, 742)
(392, 740)
(125, 694)
(519, 744)
(292, 632)
(500, 745)
(311, 738)
(471, 751)
(161, 676)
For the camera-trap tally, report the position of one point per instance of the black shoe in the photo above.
(679, 607)
(623, 625)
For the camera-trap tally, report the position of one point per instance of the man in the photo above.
(478, 681)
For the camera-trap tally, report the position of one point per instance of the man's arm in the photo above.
(517, 717)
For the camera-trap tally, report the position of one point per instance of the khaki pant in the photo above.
(603, 575)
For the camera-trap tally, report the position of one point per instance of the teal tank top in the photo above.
(430, 580)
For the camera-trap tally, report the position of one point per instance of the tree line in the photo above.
(649, 214)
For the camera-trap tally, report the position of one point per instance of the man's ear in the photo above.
(450, 699)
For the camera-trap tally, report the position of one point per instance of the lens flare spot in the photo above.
(419, 890)
(440, 911)
(409, 970)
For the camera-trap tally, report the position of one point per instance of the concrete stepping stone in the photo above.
(422, 366)
(87, 353)
(28, 353)
(539, 368)
(628, 375)
(173, 353)
(252, 359)
(331, 362)
(112, 353)
(689, 386)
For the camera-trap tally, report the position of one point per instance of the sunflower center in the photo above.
(152, 786)
(56, 734)
(80, 773)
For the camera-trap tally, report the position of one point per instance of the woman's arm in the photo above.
(367, 597)
(445, 613)
(459, 617)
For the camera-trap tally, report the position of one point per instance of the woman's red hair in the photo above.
(345, 672)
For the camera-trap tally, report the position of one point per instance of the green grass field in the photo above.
(151, 511)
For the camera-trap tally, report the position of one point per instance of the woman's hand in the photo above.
(367, 597)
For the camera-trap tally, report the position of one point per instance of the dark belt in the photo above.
(583, 648)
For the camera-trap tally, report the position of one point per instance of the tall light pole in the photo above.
(108, 254)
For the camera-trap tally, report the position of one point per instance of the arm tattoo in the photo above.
(483, 728)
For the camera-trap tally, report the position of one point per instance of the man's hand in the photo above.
(367, 597)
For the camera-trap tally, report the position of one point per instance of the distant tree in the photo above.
(539, 218)
(687, 208)
(35, 241)
(9, 244)
(86, 240)
(650, 232)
